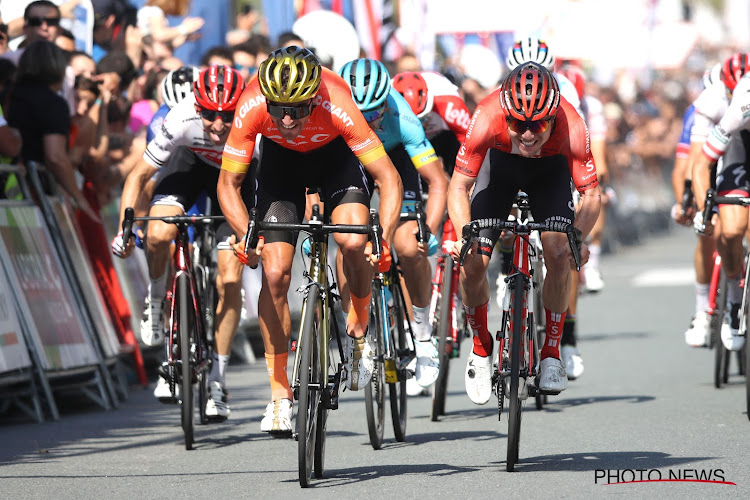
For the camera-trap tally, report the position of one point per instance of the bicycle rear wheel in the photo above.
(375, 390)
(397, 390)
(515, 404)
(441, 329)
(309, 394)
(186, 386)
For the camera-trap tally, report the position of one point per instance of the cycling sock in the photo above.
(569, 331)
(422, 330)
(157, 288)
(276, 366)
(555, 325)
(218, 369)
(359, 312)
(734, 292)
(477, 319)
(595, 250)
(701, 297)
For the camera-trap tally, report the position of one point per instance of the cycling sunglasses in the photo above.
(294, 112)
(536, 127)
(210, 115)
(373, 114)
(37, 21)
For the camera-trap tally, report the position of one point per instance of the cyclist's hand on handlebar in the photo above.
(248, 259)
(704, 227)
(384, 263)
(430, 247)
(458, 245)
(685, 217)
(584, 255)
(120, 248)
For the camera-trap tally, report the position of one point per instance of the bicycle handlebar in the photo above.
(419, 216)
(314, 226)
(190, 220)
(713, 200)
(471, 231)
(687, 195)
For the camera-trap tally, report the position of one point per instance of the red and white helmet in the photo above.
(733, 69)
(218, 88)
(530, 50)
(530, 93)
(412, 85)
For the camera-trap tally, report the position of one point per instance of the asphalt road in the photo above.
(645, 403)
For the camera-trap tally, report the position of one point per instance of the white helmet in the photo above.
(530, 50)
(712, 75)
(178, 84)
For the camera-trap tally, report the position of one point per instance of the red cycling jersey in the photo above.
(489, 129)
(449, 111)
(335, 114)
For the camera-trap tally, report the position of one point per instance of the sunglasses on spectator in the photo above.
(373, 114)
(536, 127)
(211, 115)
(250, 69)
(294, 112)
(39, 20)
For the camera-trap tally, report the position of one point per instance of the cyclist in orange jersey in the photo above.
(310, 134)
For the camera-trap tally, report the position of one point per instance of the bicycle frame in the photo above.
(448, 240)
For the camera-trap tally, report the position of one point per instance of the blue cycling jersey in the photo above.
(687, 125)
(400, 126)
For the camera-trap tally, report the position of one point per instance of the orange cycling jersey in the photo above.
(489, 129)
(335, 114)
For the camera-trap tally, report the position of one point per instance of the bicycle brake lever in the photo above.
(127, 226)
(468, 233)
(251, 238)
(575, 238)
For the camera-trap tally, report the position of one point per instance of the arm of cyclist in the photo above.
(228, 191)
(701, 167)
(391, 192)
(459, 205)
(587, 212)
(437, 181)
(132, 196)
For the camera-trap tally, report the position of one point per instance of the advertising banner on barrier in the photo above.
(13, 352)
(46, 298)
(91, 293)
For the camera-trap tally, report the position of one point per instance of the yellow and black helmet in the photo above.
(291, 74)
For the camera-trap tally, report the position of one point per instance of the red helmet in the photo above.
(529, 93)
(218, 88)
(733, 69)
(576, 77)
(413, 87)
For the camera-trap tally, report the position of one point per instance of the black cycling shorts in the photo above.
(546, 180)
(731, 178)
(183, 180)
(410, 178)
(285, 175)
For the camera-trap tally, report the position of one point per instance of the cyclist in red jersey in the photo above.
(537, 142)
(311, 134)
(437, 104)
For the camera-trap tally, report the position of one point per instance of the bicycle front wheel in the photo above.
(515, 405)
(186, 386)
(720, 354)
(398, 346)
(441, 329)
(309, 385)
(375, 390)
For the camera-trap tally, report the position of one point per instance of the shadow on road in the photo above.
(603, 460)
(341, 477)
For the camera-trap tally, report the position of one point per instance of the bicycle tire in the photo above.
(375, 390)
(397, 391)
(186, 386)
(541, 332)
(441, 330)
(515, 404)
(747, 378)
(717, 320)
(309, 398)
(323, 406)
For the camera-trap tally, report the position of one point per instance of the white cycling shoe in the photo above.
(359, 363)
(553, 379)
(699, 333)
(572, 360)
(277, 419)
(730, 326)
(478, 378)
(428, 364)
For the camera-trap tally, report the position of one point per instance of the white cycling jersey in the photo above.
(735, 119)
(182, 127)
(594, 116)
(709, 108)
(569, 92)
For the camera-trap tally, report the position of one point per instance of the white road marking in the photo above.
(664, 277)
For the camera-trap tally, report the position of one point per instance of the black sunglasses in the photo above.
(37, 21)
(210, 115)
(294, 112)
